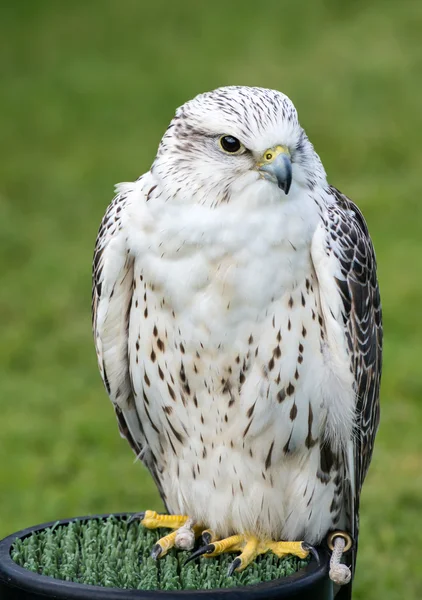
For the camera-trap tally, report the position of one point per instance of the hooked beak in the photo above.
(276, 166)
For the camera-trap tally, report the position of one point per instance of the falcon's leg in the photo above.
(183, 537)
(249, 547)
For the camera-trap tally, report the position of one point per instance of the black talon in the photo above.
(202, 550)
(206, 537)
(156, 551)
(312, 550)
(234, 565)
(135, 517)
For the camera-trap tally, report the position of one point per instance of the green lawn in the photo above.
(87, 89)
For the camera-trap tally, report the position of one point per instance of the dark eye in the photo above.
(230, 144)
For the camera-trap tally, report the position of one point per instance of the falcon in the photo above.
(237, 323)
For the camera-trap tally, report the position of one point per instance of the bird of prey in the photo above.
(237, 322)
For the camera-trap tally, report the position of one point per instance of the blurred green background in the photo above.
(87, 89)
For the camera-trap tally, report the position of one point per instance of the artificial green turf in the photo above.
(87, 90)
(112, 553)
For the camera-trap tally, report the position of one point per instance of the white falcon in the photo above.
(237, 322)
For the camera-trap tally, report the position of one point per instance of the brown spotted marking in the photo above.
(310, 442)
(247, 428)
(268, 459)
(251, 409)
(171, 392)
(327, 461)
(149, 196)
(290, 389)
(286, 448)
(310, 498)
(155, 428)
(281, 395)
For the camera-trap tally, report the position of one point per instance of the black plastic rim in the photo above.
(17, 582)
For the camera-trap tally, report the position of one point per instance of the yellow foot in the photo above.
(184, 536)
(249, 547)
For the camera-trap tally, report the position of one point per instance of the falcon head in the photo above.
(234, 139)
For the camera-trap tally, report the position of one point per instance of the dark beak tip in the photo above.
(284, 178)
(285, 185)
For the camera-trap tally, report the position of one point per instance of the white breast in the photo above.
(240, 255)
(225, 343)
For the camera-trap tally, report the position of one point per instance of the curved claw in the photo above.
(233, 566)
(206, 537)
(135, 517)
(202, 550)
(156, 551)
(312, 550)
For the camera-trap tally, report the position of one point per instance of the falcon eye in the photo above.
(230, 144)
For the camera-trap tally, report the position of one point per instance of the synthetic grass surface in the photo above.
(112, 554)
